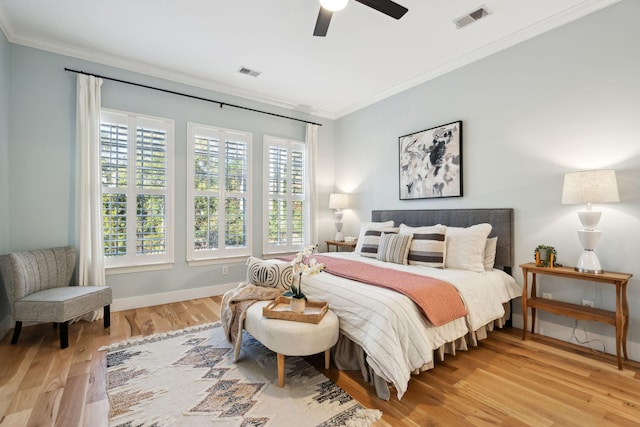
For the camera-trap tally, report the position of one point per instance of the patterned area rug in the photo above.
(188, 378)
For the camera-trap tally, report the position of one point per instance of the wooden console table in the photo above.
(349, 246)
(619, 319)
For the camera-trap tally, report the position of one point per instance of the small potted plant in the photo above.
(545, 256)
(302, 264)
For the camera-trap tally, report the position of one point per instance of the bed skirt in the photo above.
(349, 356)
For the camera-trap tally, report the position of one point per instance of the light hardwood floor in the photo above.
(504, 381)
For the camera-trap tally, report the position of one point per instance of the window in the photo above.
(218, 185)
(136, 157)
(285, 200)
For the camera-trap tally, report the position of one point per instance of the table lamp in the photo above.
(338, 201)
(595, 186)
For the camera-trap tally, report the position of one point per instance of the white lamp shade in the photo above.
(338, 201)
(597, 186)
(334, 5)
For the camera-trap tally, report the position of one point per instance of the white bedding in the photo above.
(395, 336)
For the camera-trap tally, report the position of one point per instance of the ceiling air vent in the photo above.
(249, 72)
(465, 20)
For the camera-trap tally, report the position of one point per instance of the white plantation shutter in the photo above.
(218, 218)
(114, 143)
(206, 187)
(285, 200)
(136, 169)
(151, 173)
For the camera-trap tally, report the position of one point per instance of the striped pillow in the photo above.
(369, 226)
(428, 245)
(394, 248)
(371, 240)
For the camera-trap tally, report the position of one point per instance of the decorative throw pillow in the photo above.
(465, 247)
(270, 273)
(490, 253)
(394, 248)
(363, 229)
(428, 246)
(371, 240)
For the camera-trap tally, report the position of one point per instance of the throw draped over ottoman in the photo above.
(290, 338)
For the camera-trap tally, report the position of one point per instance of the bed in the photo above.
(385, 334)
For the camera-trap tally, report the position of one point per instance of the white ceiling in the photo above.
(365, 57)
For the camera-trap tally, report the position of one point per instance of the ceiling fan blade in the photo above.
(387, 7)
(322, 24)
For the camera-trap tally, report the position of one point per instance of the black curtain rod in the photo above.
(222, 104)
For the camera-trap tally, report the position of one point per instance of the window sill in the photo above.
(138, 268)
(275, 255)
(217, 261)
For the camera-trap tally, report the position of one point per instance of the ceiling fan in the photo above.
(327, 7)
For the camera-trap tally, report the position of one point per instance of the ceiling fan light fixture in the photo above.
(334, 5)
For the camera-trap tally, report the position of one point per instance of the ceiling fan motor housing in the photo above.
(327, 7)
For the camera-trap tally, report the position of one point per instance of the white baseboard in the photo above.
(122, 304)
(5, 326)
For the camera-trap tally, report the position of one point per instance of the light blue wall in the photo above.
(4, 161)
(566, 100)
(43, 178)
(563, 101)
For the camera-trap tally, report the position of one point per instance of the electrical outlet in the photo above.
(546, 295)
(225, 270)
(587, 303)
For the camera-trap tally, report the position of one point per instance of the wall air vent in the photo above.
(472, 17)
(249, 72)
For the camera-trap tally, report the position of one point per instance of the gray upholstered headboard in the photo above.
(501, 221)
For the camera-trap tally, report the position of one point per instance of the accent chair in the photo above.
(38, 287)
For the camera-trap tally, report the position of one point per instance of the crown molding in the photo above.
(562, 18)
(5, 26)
(146, 69)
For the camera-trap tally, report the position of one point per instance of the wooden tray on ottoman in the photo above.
(280, 308)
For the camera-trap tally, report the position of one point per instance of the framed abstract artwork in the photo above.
(431, 163)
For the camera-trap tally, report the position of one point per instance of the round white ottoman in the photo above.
(290, 338)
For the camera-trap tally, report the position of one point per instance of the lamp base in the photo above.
(339, 236)
(589, 263)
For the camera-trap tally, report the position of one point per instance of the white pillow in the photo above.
(428, 245)
(271, 273)
(490, 253)
(363, 229)
(465, 247)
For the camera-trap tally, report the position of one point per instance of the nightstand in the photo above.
(348, 246)
(619, 319)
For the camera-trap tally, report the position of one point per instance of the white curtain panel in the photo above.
(91, 254)
(312, 149)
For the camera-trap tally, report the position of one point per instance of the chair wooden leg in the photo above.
(107, 316)
(16, 332)
(64, 334)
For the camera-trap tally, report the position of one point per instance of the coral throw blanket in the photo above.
(437, 299)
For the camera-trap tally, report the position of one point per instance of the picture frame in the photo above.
(431, 163)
